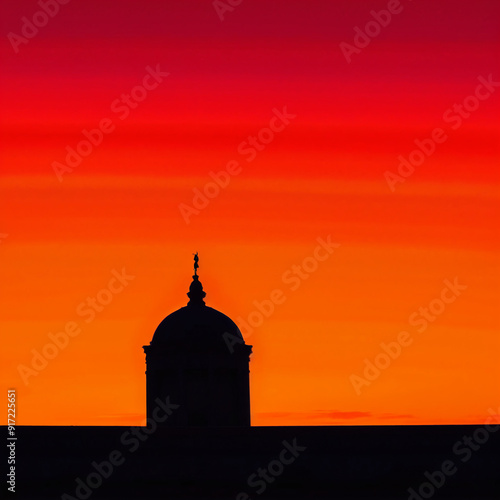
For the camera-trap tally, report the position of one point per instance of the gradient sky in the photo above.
(323, 175)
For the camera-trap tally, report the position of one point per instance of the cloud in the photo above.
(343, 415)
(329, 416)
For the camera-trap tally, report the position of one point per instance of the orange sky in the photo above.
(320, 176)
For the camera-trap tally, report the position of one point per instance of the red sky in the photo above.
(324, 174)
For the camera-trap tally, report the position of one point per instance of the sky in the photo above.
(335, 164)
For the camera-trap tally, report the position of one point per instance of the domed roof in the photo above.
(196, 323)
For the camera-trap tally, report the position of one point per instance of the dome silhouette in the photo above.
(199, 359)
(195, 324)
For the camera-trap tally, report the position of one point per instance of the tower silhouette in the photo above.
(198, 358)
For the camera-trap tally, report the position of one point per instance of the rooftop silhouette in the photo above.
(198, 443)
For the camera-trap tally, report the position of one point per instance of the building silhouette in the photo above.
(206, 448)
(199, 360)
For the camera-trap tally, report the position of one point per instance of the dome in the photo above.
(195, 323)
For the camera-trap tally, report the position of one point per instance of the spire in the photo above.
(196, 293)
(196, 259)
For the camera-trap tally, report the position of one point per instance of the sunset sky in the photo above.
(178, 92)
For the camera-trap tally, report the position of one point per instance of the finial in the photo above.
(196, 293)
(196, 266)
